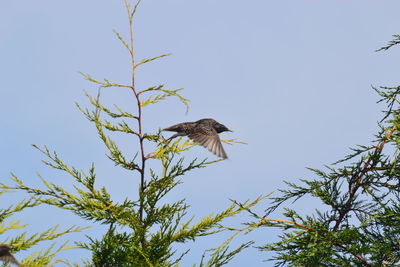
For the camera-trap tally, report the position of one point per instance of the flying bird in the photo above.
(6, 256)
(204, 131)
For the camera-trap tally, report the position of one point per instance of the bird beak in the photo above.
(230, 130)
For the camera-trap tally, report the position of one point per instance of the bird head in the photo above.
(221, 128)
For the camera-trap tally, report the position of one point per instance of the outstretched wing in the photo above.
(209, 140)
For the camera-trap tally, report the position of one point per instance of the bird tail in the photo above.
(170, 129)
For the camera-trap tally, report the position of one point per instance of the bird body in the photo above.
(6, 256)
(204, 131)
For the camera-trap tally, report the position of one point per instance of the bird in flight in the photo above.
(6, 256)
(204, 131)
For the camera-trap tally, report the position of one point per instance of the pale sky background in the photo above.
(291, 78)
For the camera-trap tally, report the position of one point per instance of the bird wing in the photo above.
(9, 258)
(209, 140)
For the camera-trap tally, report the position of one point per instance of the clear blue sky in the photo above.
(291, 78)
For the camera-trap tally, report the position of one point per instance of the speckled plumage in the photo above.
(6, 256)
(204, 131)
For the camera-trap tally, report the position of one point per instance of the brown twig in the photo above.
(139, 117)
(360, 258)
(366, 168)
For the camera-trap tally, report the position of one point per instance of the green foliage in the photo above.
(143, 228)
(166, 93)
(25, 241)
(360, 224)
(395, 41)
(221, 255)
(115, 249)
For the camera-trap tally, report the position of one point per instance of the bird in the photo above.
(204, 131)
(6, 256)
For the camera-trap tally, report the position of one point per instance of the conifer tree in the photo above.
(360, 223)
(142, 229)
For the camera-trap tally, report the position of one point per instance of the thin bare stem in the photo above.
(139, 119)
